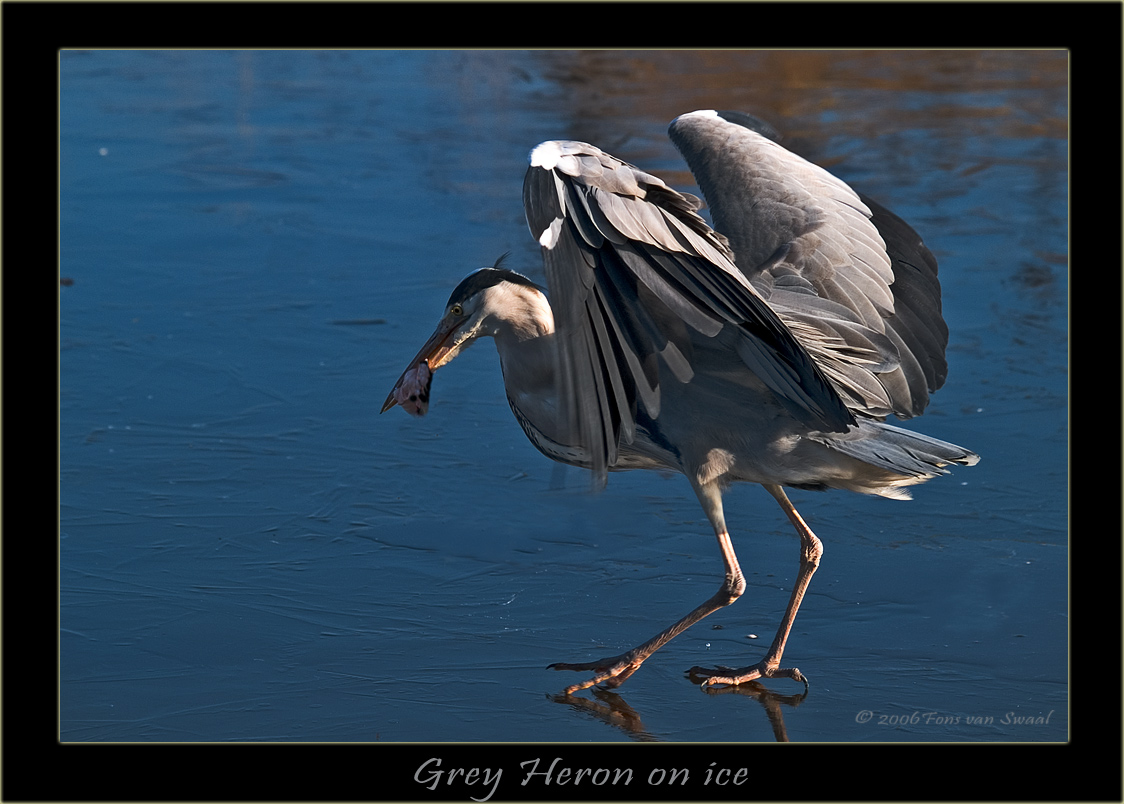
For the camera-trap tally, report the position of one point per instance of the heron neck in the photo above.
(522, 328)
(525, 341)
(526, 354)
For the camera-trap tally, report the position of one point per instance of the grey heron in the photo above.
(768, 349)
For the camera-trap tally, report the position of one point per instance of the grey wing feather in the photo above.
(851, 279)
(630, 265)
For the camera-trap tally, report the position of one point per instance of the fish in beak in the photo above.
(411, 392)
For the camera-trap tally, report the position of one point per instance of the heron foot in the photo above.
(609, 673)
(727, 675)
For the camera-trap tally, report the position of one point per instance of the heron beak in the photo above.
(412, 389)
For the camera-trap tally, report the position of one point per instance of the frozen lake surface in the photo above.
(255, 243)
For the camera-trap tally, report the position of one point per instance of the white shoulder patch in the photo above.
(546, 155)
(549, 237)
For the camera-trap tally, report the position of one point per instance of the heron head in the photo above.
(486, 302)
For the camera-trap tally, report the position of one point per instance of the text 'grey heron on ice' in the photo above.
(768, 351)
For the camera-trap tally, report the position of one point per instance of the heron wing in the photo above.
(631, 268)
(852, 280)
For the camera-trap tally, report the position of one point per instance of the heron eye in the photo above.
(457, 310)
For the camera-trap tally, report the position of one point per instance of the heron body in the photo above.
(768, 349)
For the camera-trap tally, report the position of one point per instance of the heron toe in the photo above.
(609, 673)
(728, 676)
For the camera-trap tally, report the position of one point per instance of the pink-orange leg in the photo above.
(612, 671)
(811, 549)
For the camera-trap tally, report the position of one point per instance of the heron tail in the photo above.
(905, 457)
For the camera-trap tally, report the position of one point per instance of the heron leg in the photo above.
(811, 549)
(612, 671)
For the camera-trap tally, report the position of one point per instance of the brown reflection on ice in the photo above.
(769, 700)
(801, 85)
(911, 102)
(609, 707)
